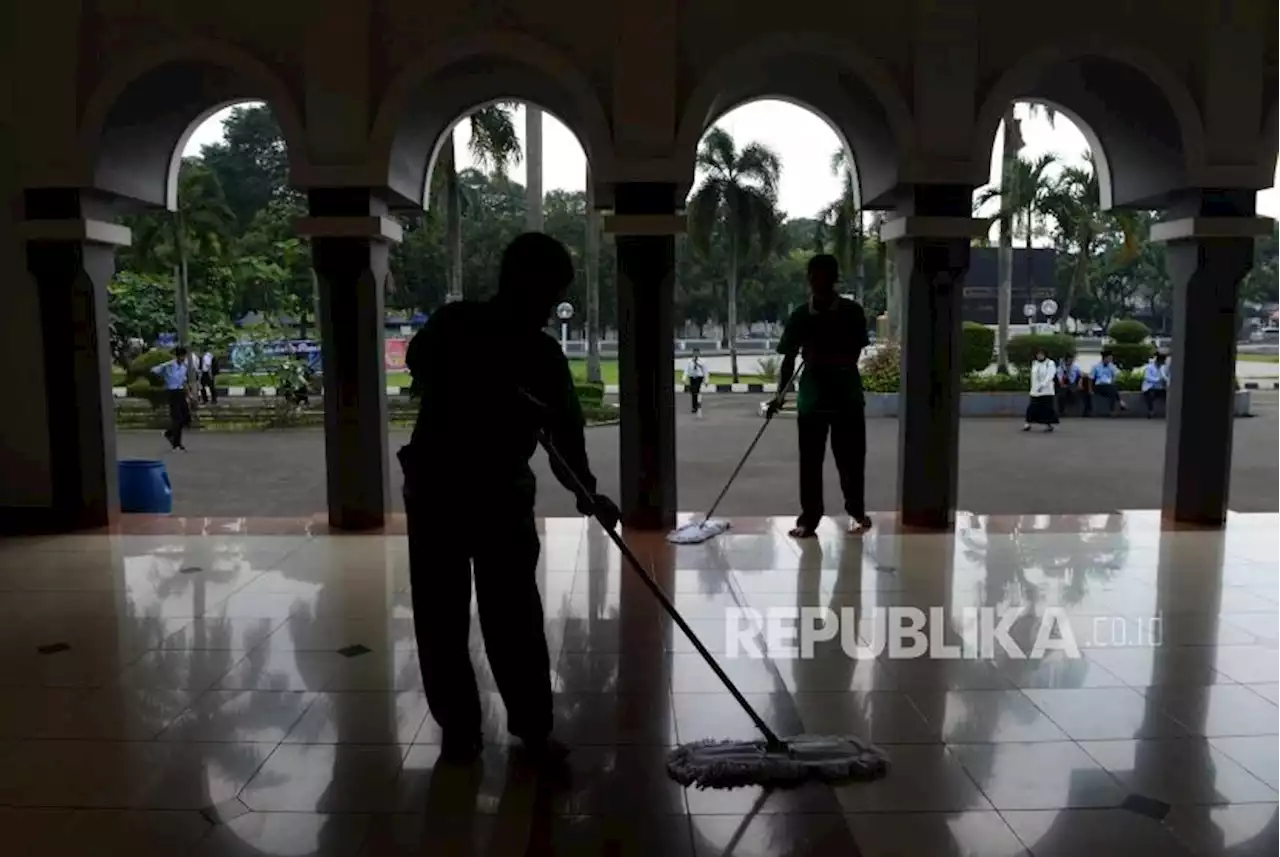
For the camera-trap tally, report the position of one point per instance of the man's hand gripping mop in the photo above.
(770, 761)
(696, 532)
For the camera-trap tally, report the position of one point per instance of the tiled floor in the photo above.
(251, 688)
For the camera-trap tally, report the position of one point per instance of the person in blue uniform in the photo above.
(1104, 377)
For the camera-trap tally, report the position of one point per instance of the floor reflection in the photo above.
(252, 687)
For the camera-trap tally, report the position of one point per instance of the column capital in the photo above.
(1195, 228)
(925, 226)
(75, 229)
(373, 227)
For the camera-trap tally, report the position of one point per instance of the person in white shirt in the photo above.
(1041, 410)
(208, 392)
(694, 374)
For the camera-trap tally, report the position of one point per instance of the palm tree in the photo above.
(1023, 189)
(494, 146)
(739, 193)
(533, 166)
(1011, 147)
(845, 220)
(1074, 204)
(591, 261)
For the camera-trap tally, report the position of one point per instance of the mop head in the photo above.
(696, 532)
(818, 758)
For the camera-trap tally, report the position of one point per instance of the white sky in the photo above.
(802, 140)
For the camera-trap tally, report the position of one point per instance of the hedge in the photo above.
(589, 394)
(977, 342)
(1130, 355)
(1022, 349)
(140, 367)
(1128, 331)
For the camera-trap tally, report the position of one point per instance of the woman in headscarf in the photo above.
(1041, 410)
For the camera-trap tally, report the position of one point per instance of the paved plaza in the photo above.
(1085, 466)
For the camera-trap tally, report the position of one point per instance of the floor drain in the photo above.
(353, 651)
(53, 648)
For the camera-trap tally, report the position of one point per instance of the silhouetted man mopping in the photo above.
(829, 332)
(469, 494)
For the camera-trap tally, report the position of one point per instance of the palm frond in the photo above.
(760, 164)
(494, 142)
(704, 212)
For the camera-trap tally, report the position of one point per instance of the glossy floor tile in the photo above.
(253, 687)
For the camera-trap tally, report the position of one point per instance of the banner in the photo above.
(394, 354)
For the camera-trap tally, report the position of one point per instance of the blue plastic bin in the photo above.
(144, 487)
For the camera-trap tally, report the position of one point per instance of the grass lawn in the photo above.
(1259, 358)
(608, 368)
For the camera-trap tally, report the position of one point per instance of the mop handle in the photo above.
(781, 396)
(585, 497)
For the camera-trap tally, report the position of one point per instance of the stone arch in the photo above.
(829, 76)
(1269, 143)
(427, 99)
(1141, 121)
(138, 119)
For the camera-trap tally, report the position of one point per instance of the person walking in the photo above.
(175, 374)
(1155, 383)
(694, 374)
(469, 495)
(829, 332)
(1104, 384)
(1040, 410)
(208, 378)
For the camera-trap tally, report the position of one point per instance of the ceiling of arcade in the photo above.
(338, 62)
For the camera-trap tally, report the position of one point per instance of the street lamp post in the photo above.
(564, 312)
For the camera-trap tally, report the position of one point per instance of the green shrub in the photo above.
(1016, 382)
(768, 368)
(1022, 349)
(882, 369)
(142, 388)
(589, 394)
(1131, 355)
(1128, 331)
(142, 365)
(977, 341)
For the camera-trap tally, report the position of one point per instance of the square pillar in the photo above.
(1209, 249)
(70, 250)
(931, 237)
(645, 224)
(350, 236)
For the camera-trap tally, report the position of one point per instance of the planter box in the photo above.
(1015, 405)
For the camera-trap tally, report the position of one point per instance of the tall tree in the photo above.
(533, 167)
(845, 221)
(1074, 204)
(738, 195)
(494, 146)
(592, 266)
(251, 161)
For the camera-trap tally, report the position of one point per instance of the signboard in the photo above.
(394, 351)
(1029, 310)
(564, 311)
(1049, 307)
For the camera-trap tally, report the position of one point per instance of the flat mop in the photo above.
(696, 532)
(770, 761)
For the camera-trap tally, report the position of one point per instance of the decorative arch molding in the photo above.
(1144, 124)
(138, 119)
(428, 98)
(830, 76)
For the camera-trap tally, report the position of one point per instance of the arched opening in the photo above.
(505, 166)
(775, 183)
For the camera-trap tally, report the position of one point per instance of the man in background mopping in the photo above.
(829, 332)
(469, 494)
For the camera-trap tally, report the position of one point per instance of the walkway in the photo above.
(1086, 466)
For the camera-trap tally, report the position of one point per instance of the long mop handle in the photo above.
(781, 396)
(585, 497)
